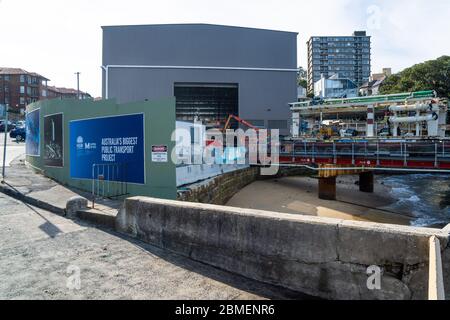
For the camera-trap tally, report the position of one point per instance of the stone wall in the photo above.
(220, 189)
(322, 257)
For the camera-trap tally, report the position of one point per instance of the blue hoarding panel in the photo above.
(32, 133)
(116, 141)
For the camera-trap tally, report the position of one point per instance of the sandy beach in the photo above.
(298, 195)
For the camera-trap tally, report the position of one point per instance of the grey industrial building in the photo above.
(345, 56)
(212, 70)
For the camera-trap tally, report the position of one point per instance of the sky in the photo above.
(57, 38)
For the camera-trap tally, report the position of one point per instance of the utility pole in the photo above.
(5, 141)
(78, 84)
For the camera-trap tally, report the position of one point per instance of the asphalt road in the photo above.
(46, 256)
(13, 149)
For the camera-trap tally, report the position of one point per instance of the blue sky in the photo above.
(59, 37)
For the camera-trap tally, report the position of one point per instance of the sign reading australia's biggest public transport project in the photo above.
(108, 142)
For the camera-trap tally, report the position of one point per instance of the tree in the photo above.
(303, 83)
(301, 77)
(429, 75)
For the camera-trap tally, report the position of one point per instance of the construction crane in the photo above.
(232, 116)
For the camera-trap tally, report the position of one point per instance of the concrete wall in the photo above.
(159, 123)
(318, 256)
(201, 45)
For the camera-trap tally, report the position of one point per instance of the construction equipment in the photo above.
(420, 114)
(246, 123)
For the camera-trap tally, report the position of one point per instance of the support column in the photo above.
(370, 132)
(366, 181)
(327, 188)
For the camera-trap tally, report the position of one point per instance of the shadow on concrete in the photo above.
(49, 228)
(264, 290)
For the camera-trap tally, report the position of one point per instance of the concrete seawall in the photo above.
(323, 257)
(220, 189)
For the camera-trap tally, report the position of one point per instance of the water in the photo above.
(426, 197)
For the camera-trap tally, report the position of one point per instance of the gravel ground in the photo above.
(41, 254)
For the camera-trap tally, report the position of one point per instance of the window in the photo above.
(210, 102)
(22, 101)
(44, 93)
(22, 78)
(22, 89)
(7, 77)
(29, 91)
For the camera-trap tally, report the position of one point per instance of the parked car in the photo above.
(18, 133)
(10, 126)
(20, 123)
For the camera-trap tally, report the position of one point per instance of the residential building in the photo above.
(372, 87)
(66, 93)
(349, 57)
(212, 70)
(301, 93)
(335, 87)
(19, 87)
(386, 72)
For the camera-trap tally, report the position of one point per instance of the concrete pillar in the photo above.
(366, 181)
(327, 188)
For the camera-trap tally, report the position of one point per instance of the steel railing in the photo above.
(109, 180)
(432, 151)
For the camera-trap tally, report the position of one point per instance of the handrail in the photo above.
(109, 180)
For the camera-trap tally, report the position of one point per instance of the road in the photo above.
(46, 256)
(13, 149)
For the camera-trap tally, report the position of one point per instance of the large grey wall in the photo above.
(263, 95)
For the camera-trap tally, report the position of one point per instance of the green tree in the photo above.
(429, 75)
(303, 83)
(301, 77)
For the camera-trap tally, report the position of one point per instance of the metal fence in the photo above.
(109, 180)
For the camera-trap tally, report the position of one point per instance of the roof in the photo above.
(18, 71)
(195, 24)
(372, 84)
(64, 90)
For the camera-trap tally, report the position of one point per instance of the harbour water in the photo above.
(426, 197)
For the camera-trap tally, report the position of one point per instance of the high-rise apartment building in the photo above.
(345, 57)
